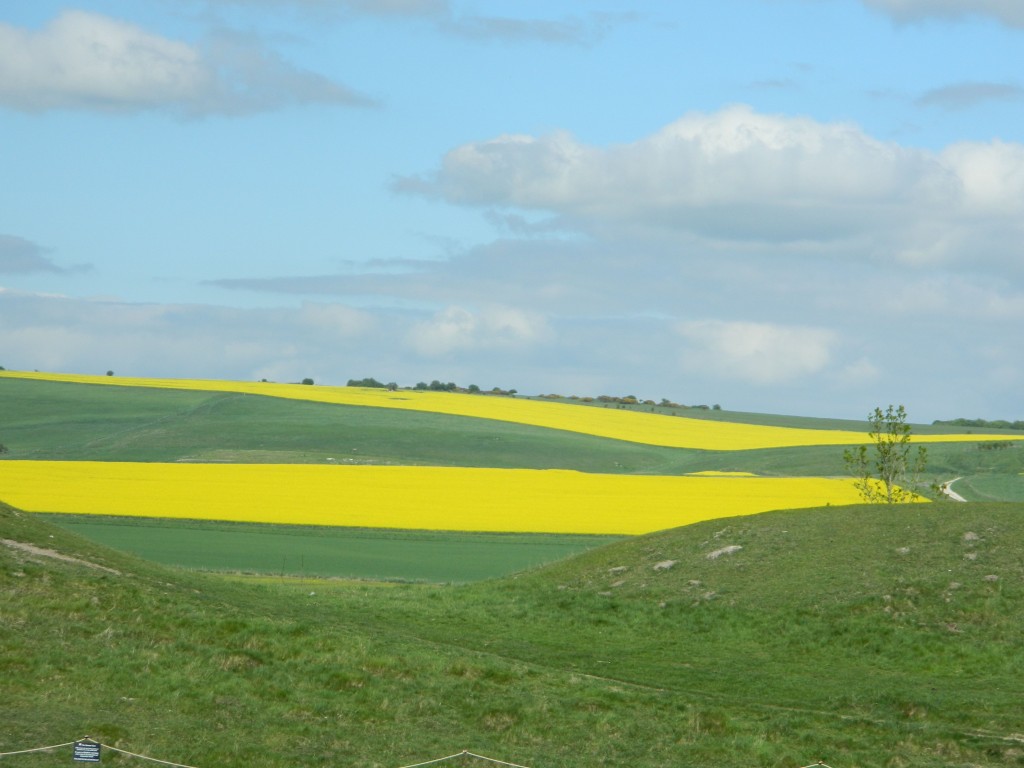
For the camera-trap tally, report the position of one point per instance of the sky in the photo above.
(808, 207)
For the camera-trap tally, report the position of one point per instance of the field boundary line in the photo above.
(464, 753)
(35, 749)
(98, 744)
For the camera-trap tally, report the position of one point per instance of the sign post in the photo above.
(86, 751)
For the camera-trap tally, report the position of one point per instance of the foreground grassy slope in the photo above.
(862, 636)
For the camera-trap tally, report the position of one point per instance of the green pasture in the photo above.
(991, 487)
(772, 419)
(290, 550)
(61, 421)
(858, 636)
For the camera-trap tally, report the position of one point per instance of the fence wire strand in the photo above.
(463, 753)
(35, 749)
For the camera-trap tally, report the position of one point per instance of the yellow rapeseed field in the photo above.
(425, 498)
(647, 428)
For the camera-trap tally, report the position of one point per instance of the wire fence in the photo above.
(94, 743)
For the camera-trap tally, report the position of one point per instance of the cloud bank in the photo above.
(727, 249)
(1009, 12)
(21, 256)
(740, 179)
(87, 61)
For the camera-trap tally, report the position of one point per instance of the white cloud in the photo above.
(1009, 12)
(62, 334)
(742, 178)
(761, 353)
(336, 319)
(456, 329)
(966, 299)
(84, 60)
(579, 29)
(859, 372)
(369, 7)
(991, 176)
(772, 366)
(733, 157)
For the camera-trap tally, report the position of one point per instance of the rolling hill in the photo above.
(78, 421)
(855, 635)
(858, 636)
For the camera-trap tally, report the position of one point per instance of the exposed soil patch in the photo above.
(32, 549)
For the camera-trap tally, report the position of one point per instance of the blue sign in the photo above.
(86, 751)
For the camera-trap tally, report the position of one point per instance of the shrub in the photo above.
(367, 382)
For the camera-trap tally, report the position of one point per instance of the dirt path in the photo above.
(947, 489)
(32, 549)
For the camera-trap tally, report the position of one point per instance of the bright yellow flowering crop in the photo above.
(648, 428)
(425, 498)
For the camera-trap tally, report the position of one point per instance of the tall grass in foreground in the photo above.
(860, 636)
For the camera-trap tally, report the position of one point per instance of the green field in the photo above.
(860, 636)
(327, 552)
(772, 419)
(61, 421)
(991, 487)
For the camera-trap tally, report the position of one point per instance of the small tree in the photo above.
(881, 476)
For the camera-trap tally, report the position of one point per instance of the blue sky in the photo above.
(793, 206)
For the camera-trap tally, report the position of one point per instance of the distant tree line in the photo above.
(372, 383)
(440, 386)
(437, 386)
(472, 389)
(433, 386)
(630, 400)
(981, 423)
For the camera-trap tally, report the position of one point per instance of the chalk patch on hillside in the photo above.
(732, 548)
(32, 549)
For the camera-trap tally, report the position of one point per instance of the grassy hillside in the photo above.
(61, 421)
(860, 636)
(296, 550)
(72, 421)
(42, 420)
(651, 426)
